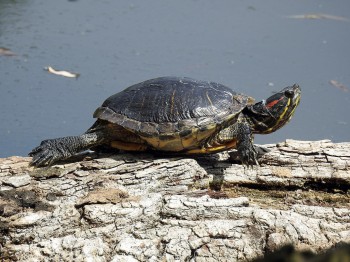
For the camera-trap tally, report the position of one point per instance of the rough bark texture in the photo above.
(142, 207)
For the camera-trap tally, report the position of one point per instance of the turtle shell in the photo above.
(173, 113)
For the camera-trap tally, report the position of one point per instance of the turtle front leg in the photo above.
(246, 150)
(235, 156)
(52, 150)
(242, 134)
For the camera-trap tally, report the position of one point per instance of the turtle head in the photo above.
(271, 114)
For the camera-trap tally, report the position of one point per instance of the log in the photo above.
(144, 207)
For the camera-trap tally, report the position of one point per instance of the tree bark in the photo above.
(143, 207)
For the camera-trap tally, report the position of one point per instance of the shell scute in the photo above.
(149, 129)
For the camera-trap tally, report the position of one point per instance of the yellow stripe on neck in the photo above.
(281, 117)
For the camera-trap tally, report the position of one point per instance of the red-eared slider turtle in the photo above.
(179, 115)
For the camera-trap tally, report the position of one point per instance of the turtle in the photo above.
(178, 115)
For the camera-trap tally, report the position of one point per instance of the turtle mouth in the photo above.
(295, 99)
(296, 91)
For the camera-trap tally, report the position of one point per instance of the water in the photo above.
(250, 46)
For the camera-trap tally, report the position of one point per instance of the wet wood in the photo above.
(319, 16)
(6, 52)
(339, 85)
(61, 72)
(142, 207)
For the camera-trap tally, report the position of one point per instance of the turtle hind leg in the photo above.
(52, 150)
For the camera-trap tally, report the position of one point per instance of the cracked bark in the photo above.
(149, 208)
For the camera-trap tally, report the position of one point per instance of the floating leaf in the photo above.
(319, 16)
(61, 72)
(339, 85)
(6, 52)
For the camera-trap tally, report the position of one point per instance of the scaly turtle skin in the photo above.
(179, 115)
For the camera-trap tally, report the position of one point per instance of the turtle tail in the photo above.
(53, 150)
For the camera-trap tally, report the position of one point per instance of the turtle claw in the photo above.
(248, 155)
(44, 154)
(249, 158)
(40, 160)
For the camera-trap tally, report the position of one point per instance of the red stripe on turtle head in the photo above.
(273, 102)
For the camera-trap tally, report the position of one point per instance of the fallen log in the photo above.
(141, 207)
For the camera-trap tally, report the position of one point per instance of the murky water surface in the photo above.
(251, 46)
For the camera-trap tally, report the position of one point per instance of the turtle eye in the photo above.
(289, 93)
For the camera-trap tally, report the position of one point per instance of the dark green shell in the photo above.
(168, 108)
